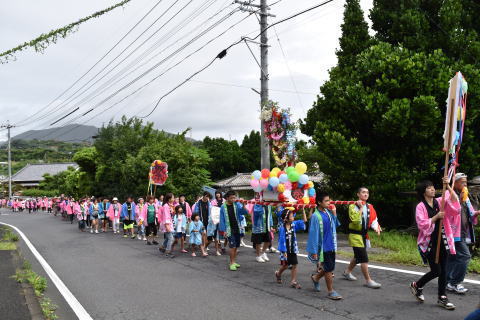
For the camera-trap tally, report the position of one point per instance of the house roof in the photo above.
(35, 172)
(241, 181)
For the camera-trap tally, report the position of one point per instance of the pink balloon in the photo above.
(264, 183)
(254, 183)
(288, 185)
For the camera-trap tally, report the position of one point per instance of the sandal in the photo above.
(295, 285)
(278, 277)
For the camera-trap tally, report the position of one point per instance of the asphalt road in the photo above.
(117, 278)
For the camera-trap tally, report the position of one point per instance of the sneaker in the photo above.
(125, 236)
(417, 292)
(91, 231)
(184, 251)
(233, 267)
(316, 284)
(96, 231)
(237, 265)
(154, 242)
(194, 254)
(259, 259)
(218, 253)
(373, 285)
(149, 243)
(133, 237)
(349, 276)
(139, 237)
(460, 289)
(272, 250)
(334, 295)
(444, 303)
(144, 238)
(265, 257)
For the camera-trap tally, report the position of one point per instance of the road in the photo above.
(117, 278)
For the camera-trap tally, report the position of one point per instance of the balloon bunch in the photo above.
(292, 185)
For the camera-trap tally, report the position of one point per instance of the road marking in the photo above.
(371, 266)
(79, 310)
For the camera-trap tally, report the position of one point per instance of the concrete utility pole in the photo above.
(9, 126)
(262, 10)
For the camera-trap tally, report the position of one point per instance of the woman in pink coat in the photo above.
(148, 217)
(114, 212)
(166, 224)
(429, 217)
(73, 208)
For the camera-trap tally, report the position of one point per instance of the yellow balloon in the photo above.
(276, 170)
(306, 200)
(301, 168)
(310, 184)
(281, 188)
(273, 174)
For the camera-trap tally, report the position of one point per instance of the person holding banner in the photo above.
(464, 235)
(428, 216)
(362, 217)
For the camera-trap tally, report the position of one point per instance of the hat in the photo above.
(115, 199)
(460, 175)
(140, 199)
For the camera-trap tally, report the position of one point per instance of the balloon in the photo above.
(288, 185)
(303, 179)
(306, 187)
(312, 200)
(270, 188)
(257, 188)
(281, 188)
(300, 201)
(257, 174)
(283, 178)
(265, 173)
(281, 197)
(301, 168)
(276, 170)
(294, 186)
(274, 182)
(280, 173)
(306, 200)
(311, 192)
(300, 186)
(272, 174)
(264, 184)
(254, 183)
(310, 184)
(293, 176)
(289, 169)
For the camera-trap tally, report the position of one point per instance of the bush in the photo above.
(40, 193)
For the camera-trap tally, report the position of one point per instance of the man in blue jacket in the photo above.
(128, 217)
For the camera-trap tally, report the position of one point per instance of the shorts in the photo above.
(234, 240)
(328, 264)
(179, 235)
(151, 229)
(360, 254)
(216, 235)
(291, 260)
(259, 238)
(128, 224)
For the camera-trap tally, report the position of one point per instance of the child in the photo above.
(140, 225)
(196, 231)
(322, 243)
(179, 224)
(148, 218)
(287, 245)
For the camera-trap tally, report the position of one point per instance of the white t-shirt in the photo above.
(179, 223)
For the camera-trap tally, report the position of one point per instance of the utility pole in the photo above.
(8, 126)
(262, 10)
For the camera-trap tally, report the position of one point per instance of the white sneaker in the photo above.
(91, 231)
(259, 259)
(139, 237)
(349, 276)
(144, 238)
(373, 285)
(460, 289)
(96, 231)
(265, 257)
(218, 253)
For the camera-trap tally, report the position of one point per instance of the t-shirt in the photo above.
(179, 223)
(129, 210)
(204, 212)
(328, 243)
(115, 210)
(233, 219)
(464, 227)
(289, 243)
(150, 214)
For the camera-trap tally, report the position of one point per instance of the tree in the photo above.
(251, 151)
(227, 157)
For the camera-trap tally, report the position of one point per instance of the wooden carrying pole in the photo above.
(448, 137)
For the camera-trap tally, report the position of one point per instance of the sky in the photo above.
(218, 102)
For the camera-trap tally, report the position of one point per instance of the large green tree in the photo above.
(379, 119)
(227, 157)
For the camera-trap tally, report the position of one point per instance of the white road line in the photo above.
(417, 273)
(79, 310)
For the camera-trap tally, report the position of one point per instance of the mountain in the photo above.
(68, 133)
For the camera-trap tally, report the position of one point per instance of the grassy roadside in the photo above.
(27, 275)
(401, 249)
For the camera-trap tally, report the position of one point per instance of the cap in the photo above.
(115, 199)
(460, 175)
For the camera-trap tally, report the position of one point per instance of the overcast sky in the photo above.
(219, 103)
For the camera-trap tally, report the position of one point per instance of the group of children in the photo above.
(222, 221)
(30, 204)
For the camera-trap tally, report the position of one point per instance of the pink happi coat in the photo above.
(73, 208)
(143, 213)
(164, 217)
(110, 212)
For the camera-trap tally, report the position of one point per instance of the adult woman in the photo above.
(166, 225)
(428, 217)
(94, 214)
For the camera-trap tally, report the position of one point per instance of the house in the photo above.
(240, 183)
(31, 175)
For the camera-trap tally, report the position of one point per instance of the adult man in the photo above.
(128, 217)
(322, 243)
(231, 214)
(262, 225)
(362, 217)
(462, 228)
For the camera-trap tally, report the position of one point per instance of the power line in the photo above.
(250, 87)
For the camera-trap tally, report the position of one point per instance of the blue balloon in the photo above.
(283, 178)
(300, 185)
(274, 182)
(257, 174)
(270, 188)
(303, 179)
(311, 192)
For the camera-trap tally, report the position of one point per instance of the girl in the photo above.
(428, 217)
(114, 213)
(140, 225)
(180, 224)
(94, 215)
(166, 225)
(82, 215)
(196, 230)
(71, 209)
(148, 218)
(288, 246)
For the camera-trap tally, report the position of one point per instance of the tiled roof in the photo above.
(241, 181)
(35, 172)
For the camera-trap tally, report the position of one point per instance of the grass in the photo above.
(7, 242)
(7, 245)
(402, 249)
